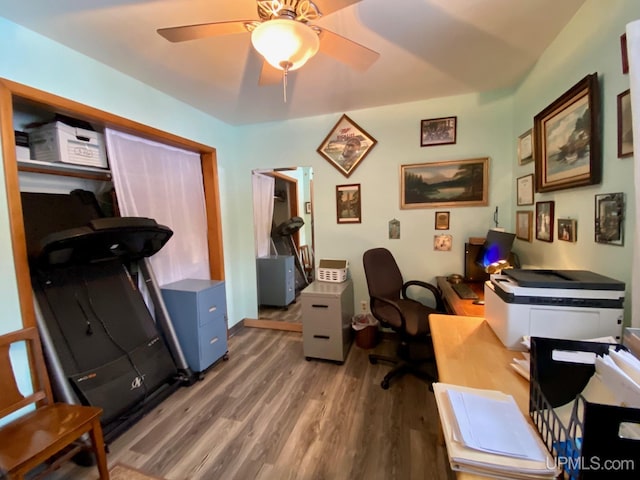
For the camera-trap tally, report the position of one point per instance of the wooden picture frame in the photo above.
(457, 183)
(567, 149)
(567, 229)
(545, 221)
(438, 131)
(525, 147)
(625, 125)
(624, 54)
(442, 221)
(346, 145)
(524, 225)
(348, 203)
(609, 218)
(524, 190)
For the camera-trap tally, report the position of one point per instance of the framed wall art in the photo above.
(524, 190)
(394, 229)
(567, 229)
(442, 221)
(524, 225)
(442, 242)
(609, 218)
(525, 147)
(625, 126)
(544, 221)
(459, 183)
(348, 203)
(567, 145)
(346, 146)
(438, 131)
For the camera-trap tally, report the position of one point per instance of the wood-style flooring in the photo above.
(267, 413)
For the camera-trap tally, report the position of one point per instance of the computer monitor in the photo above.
(496, 247)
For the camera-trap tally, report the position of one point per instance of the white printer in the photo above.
(572, 304)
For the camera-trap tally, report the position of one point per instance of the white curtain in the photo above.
(633, 49)
(263, 188)
(163, 183)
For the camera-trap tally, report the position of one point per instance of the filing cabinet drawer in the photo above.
(327, 309)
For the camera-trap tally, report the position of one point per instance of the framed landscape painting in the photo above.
(459, 183)
(567, 149)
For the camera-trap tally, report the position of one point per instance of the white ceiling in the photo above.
(428, 48)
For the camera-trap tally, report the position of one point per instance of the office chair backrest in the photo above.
(383, 275)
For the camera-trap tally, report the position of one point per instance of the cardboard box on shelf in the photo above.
(59, 142)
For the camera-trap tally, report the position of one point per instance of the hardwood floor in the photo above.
(267, 413)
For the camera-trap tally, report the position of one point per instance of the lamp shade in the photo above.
(285, 44)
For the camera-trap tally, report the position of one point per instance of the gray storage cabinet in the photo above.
(198, 311)
(327, 310)
(276, 280)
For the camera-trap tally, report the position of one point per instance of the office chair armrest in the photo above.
(432, 288)
(372, 305)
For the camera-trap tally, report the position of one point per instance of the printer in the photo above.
(570, 304)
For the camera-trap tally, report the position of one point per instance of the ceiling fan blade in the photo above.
(269, 75)
(203, 30)
(329, 6)
(346, 51)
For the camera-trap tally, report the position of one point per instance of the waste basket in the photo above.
(366, 328)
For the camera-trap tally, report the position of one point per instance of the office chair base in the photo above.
(400, 368)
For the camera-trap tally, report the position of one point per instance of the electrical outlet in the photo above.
(364, 305)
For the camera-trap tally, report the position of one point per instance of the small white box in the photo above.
(58, 142)
(333, 270)
(22, 153)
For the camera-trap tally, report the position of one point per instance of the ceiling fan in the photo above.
(284, 36)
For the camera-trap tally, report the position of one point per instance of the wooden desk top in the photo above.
(468, 353)
(457, 305)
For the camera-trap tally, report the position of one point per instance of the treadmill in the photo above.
(102, 345)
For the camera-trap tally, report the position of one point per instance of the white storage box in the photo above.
(58, 142)
(332, 270)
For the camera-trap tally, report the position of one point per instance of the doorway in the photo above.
(292, 206)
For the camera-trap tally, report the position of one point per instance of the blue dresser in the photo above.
(198, 311)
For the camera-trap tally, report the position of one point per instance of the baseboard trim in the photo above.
(272, 324)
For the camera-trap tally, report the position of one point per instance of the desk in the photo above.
(457, 305)
(468, 353)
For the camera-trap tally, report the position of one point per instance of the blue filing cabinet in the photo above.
(198, 311)
(276, 280)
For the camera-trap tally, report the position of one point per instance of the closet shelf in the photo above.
(64, 169)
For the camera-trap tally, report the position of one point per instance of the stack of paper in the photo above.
(486, 434)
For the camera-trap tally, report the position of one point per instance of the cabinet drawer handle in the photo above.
(323, 337)
(212, 309)
(316, 305)
(213, 340)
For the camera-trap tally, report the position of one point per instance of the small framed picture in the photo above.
(524, 225)
(544, 221)
(438, 131)
(525, 190)
(442, 243)
(442, 220)
(394, 229)
(609, 218)
(348, 203)
(625, 126)
(567, 229)
(525, 147)
(307, 207)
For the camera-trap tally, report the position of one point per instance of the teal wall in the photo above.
(589, 43)
(488, 126)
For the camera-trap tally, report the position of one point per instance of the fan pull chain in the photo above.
(284, 84)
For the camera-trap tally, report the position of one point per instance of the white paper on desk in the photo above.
(624, 388)
(492, 425)
(627, 363)
(484, 463)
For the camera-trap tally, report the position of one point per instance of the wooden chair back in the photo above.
(49, 430)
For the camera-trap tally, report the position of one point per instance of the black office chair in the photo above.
(390, 304)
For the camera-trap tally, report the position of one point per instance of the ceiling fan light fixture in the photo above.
(285, 44)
